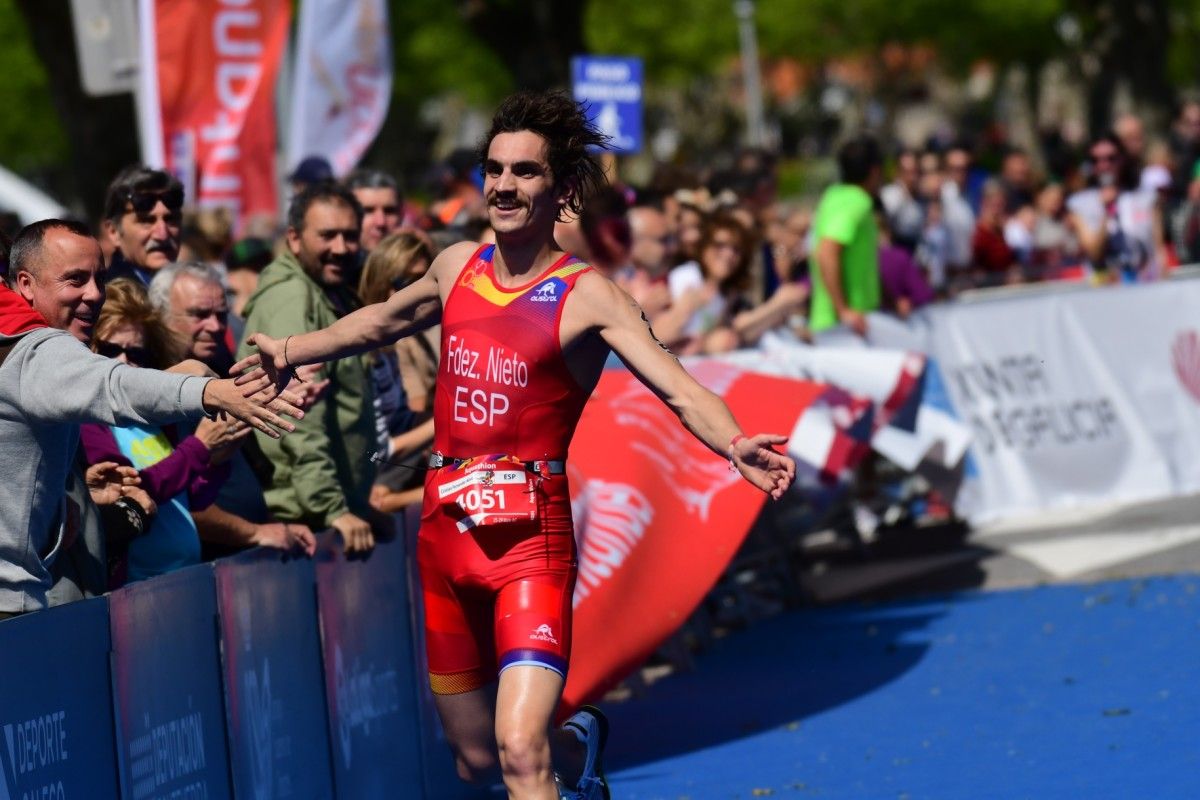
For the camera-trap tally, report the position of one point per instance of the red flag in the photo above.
(209, 84)
(658, 515)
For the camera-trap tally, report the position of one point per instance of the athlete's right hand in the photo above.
(269, 358)
(356, 533)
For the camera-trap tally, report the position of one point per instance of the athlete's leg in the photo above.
(469, 723)
(533, 637)
(525, 704)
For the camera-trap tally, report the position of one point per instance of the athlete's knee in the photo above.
(477, 765)
(524, 753)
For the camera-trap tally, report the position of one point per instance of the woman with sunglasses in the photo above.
(179, 474)
(401, 430)
(1119, 223)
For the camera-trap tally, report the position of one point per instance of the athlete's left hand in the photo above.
(760, 464)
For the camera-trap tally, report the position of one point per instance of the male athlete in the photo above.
(526, 329)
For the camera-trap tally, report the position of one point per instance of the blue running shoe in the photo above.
(590, 726)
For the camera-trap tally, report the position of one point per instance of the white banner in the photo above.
(343, 81)
(1073, 399)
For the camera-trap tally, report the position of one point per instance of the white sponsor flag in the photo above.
(343, 81)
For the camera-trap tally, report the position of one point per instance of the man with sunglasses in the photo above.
(143, 213)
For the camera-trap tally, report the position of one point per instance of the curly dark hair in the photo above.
(563, 123)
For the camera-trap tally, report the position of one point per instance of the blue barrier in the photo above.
(254, 677)
(167, 696)
(440, 773)
(274, 687)
(370, 675)
(55, 709)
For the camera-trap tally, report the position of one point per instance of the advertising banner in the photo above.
(170, 710)
(274, 690)
(55, 705)
(370, 675)
(207, 94)
(657, 515)
(1073, 399)
(343, 81)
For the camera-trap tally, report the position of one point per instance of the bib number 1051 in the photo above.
(482, 498)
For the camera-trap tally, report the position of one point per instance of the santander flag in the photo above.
(343, 81)
(207, 97)
(657, 515)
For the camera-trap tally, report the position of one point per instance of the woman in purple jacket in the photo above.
(180, 474)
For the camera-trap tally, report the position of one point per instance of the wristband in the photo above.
(286, 365)
(732, 444)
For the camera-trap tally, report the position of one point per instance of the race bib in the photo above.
(488, 490)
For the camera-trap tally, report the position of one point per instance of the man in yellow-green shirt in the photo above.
(845, 270)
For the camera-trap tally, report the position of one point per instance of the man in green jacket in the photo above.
(323, 475)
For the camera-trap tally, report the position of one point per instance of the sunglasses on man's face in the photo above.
(136, 355)
(144, 202)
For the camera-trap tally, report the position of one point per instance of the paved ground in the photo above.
(1085, 546)
(1047, 660)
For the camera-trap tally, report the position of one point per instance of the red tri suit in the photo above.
(498, 596)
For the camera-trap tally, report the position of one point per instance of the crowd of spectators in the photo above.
(714, 257)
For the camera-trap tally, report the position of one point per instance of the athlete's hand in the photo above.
(760, 464)
(269, 359)
(356, 534)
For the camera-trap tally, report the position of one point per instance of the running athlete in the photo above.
(526, 329)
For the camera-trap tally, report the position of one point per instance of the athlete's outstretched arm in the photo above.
(623, 326)
(412, 309)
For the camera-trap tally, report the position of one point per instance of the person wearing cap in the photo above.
(310, 170)
(143, 217)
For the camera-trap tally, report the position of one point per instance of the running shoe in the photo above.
(590, 726)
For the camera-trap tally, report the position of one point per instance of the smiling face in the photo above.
(519, 186)
(328, 243)
(66, 286)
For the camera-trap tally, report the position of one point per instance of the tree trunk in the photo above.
(1130, 44)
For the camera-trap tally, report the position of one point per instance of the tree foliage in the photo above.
(31, 135)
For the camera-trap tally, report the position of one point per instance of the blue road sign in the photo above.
(611, 86)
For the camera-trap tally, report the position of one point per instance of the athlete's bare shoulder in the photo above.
(596, 305)
(601, 298)
(450, 262)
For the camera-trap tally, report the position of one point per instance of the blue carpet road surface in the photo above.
(1056, 692)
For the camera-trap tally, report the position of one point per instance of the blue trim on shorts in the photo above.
(533, 658)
